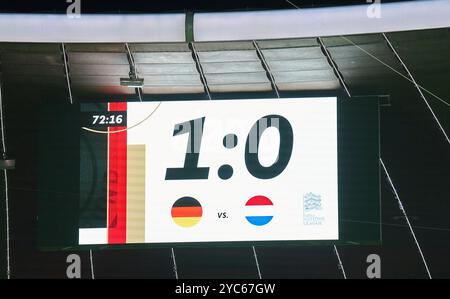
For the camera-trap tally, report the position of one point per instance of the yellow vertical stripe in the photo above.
(135, 193)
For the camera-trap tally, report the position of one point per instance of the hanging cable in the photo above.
(2, 125)
(406, 217)
(8, 261)
(92, 264)
(395, 71)
(419, 89)
(266, 68)
(333, 65)
(200, 69)
(341, 265)
(257, 263)
(66, 68)
(133, 71)
(175, 270)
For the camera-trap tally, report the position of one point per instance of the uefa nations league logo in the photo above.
(312, 209)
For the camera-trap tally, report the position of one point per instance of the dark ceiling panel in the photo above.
(167, 68)
(35, 81)
(95, 70)
(426, 54)
(166, 89)
(237, 78)
(349, 51)
(102, 93)
(288, 43)
(96, 81)
(232, 67)
(99, 69)
(378, 72)
(299, 64)
(335, 41)
(223, 46)
(104, 48)
(96, 58)
(309, 85)
(235, 67)
(170, 79)
(32, 58)
(227, 56)
(293, 53)
(28, 64)
(36, 48)
(32, 69)
(304, 76)
(421, 36)
(159, 47)
(163, 57)
(365, 61)
(368, 66)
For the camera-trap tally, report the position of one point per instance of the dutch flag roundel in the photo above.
(259, 210)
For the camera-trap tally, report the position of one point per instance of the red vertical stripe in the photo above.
(119, 106)
(117, 184)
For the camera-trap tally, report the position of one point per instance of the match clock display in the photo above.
(210, 171)
(104, 119)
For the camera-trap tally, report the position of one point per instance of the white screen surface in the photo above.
(303, 197)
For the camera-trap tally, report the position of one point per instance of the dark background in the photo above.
(412, 147)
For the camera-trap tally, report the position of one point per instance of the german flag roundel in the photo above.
(187, 211)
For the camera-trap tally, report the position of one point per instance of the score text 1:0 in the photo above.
(191, 171)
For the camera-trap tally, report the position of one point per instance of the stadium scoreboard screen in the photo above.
(149, 174)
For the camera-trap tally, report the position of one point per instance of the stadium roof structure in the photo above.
(288, 50)
(173, 69)
(403, 54)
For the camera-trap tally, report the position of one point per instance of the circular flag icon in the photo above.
(186, 211)
(259, 210)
